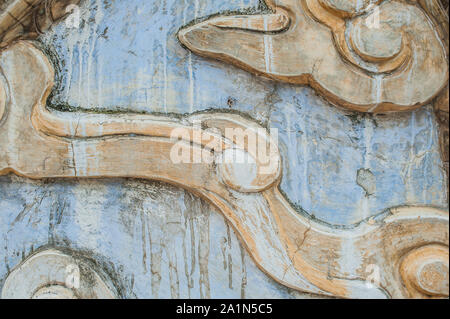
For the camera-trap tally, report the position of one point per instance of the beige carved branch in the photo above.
(295, 251)
(27, 19)
(437, 10)
(369, 56)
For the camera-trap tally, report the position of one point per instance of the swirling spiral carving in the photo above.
(365, 34)
(53, 274)
(368, 56)
(425, 271)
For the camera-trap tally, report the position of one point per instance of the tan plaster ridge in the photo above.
(295, 251)
(368, 56)
(27, 19)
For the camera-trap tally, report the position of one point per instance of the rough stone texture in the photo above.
(359, 57)
(159, 241)
(153, 240)
(139, 66)
(27, 19)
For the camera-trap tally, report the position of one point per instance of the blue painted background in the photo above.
(125, 55)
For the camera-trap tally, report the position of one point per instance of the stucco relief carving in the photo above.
(369, 56)
(421, 272)
(52, 274)
(2, 100)
(28, 19)
(294, 250)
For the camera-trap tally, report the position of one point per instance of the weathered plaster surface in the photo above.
(159, 241)
(127, 56)
(151, 239)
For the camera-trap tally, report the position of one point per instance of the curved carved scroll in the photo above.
(52, 274)
(27, 19)
(369, 56)
(421, 271)
(295, 251)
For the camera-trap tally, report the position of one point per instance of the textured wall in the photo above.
(126, 56)
(151, 239)
(159, 241)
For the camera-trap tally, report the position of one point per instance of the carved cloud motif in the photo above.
(369, 55)
(408, 246)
